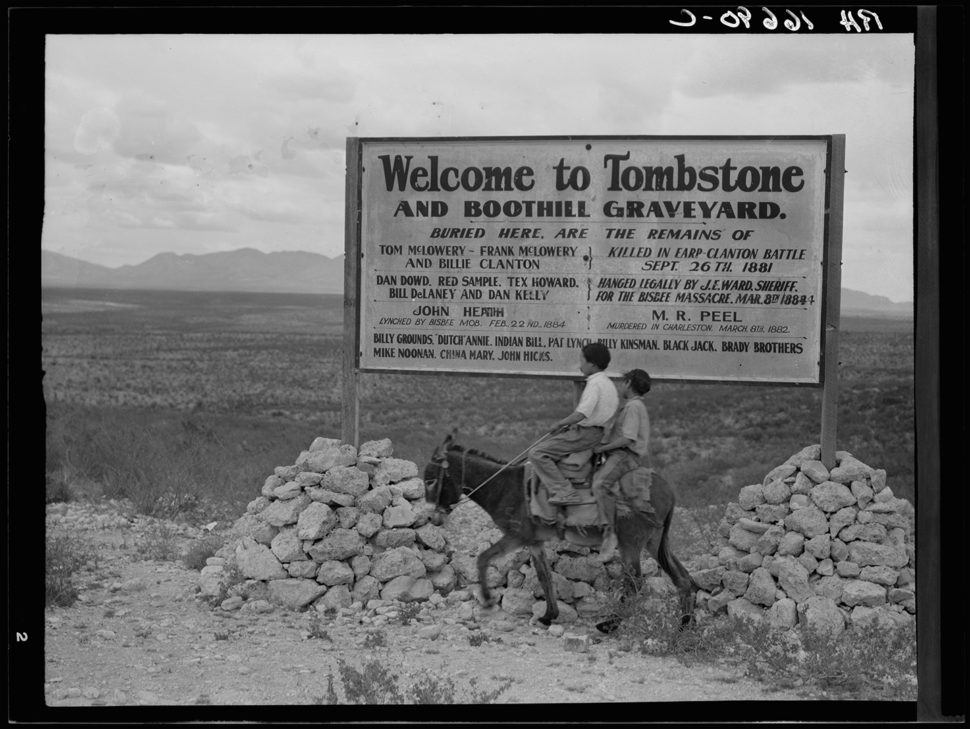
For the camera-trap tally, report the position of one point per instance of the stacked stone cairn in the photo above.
(828, 549)
(349, 530)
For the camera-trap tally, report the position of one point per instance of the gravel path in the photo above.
(139, 636)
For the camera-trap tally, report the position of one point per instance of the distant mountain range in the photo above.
(298, 272)
(246, 269)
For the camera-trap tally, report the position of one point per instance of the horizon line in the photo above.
(323, 255)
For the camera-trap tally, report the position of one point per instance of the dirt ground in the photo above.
(140, 636)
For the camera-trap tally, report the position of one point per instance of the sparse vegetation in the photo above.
(478, 637)
(375, 639)
(208, 393)
(232, 578)
(65, 555)
(317, 626)
(184, 403)
(159, 542)
(375, 683)
(408, 612)
(870, 662)
(57, 486)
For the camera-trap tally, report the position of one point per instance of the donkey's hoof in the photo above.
(547, 620)
(609, 625)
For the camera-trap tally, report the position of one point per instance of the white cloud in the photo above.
(97, 131)
(229, 141)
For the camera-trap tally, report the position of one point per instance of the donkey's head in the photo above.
(440, 487)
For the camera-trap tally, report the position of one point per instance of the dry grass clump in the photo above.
(373, 682)
(869, 662)
(65, 555)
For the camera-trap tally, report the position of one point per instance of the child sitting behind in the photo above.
(625, 446)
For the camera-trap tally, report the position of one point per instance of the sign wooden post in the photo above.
(350, 416)
(833, 288)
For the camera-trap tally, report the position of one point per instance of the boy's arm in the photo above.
(619, 442)
(586, 405)
(625, 436)
(571, 419)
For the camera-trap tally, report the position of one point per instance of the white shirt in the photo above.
(599, 400)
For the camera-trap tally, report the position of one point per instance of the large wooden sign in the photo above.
(694, 258)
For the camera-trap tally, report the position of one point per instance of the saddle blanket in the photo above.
(634, 489)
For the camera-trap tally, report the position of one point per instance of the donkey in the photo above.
(454, 471)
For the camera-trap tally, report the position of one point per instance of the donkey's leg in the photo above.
(545, 579)
(630, 544)
(506, 544)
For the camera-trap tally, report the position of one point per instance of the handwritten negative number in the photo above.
(732, 19)
(850, 24)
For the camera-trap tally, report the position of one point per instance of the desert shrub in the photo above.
(428, 688)
(69, 434)
(159, 542)
(653, 625)
(871, 662)
(158, 474)
(157, 465)
(408, 613)
(56, 488)
(317, 626)
(64, 556)
(874, 660)
(375, 639)
(375, 683)
(168, 463)
(200, 550)
(231, 579)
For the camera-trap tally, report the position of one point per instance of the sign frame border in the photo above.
(831, 249)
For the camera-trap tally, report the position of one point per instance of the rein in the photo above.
(466, 496)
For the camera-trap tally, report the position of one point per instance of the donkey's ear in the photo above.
(450, 437)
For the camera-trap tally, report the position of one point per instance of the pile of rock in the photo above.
(581, 581)
(338, 527)
(346, 529)
(829, 549)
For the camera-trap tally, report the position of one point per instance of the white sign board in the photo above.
(696, 259)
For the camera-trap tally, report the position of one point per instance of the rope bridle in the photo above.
(465, 496)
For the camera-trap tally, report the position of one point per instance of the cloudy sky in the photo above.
(206, 143)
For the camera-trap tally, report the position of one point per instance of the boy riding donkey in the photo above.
(584, 428)
(625, 446)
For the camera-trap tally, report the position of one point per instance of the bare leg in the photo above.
(545, 579)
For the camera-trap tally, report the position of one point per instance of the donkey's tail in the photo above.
(668, 560)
